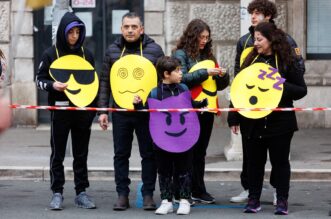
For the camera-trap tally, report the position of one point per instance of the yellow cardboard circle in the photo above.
(252, 88)
(129, 76)
(74, 66)
(209, 84)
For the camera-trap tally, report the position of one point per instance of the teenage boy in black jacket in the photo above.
(69, 41)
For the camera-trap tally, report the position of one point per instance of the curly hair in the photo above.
(279, 45)
(189, 41)
(266, 7)
(2, 55)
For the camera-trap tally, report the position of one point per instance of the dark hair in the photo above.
(279, 45)
(166, 63)
(132, 15)
(266, 7)
(189, 41)
(2, 56)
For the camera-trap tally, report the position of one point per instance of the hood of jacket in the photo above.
(61, 38)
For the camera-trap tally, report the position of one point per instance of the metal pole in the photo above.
(60, 8)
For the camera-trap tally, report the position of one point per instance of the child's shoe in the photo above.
(165, 207)
(184, 207)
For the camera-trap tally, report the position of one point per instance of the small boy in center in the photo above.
(171, 160)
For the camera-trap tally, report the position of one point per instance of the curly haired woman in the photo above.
(195, 45)
(273, 132)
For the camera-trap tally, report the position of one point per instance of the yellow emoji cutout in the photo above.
(244, 54)
(209, 89)
(257, 86)
(129, 76)
(79, 74)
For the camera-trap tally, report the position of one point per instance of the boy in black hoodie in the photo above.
(69, 41)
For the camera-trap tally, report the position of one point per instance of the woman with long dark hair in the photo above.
(273, 132)
(194, 46)
(2, 66)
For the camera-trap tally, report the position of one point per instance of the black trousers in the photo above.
(199, 153)
(279, 150)
(79, 123)
(174, 167)
(244, 171)
(123, 127)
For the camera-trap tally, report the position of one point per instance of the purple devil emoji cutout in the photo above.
(174, 131)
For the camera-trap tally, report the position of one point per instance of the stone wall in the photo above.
(21, 81)
(4, 26)
(165, 21)
(223, 16)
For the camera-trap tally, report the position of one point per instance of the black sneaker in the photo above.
(205, 198)
(281, 207)
(253, 206)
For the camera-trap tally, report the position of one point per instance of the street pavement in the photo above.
(24, 177)
(29, 199)
(25, 155)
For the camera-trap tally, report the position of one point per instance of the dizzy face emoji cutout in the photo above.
(257, 86)
(209, 89)
(174, 132)
(79, 74)
(132, 75)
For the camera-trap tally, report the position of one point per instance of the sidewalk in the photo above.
(25, 155)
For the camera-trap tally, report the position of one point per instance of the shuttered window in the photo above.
(318, 29)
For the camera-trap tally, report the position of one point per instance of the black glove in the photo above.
(203, 103)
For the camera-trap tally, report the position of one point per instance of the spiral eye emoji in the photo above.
(132, 75)
(122, 73)
(138, 73)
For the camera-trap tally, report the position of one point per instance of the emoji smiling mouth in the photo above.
(74, 91)
(132, 92)
(176, 134)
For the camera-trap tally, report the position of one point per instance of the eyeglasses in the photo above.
(205, 38)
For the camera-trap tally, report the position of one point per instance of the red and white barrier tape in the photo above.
(17, 106)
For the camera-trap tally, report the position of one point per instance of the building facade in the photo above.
(165, 20)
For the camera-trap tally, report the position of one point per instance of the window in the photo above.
(318, 29)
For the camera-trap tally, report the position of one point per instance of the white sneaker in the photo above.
(242, 197)
(165, 207)
(184, 207)
(274, 202)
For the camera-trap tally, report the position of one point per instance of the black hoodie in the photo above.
(43, 79)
